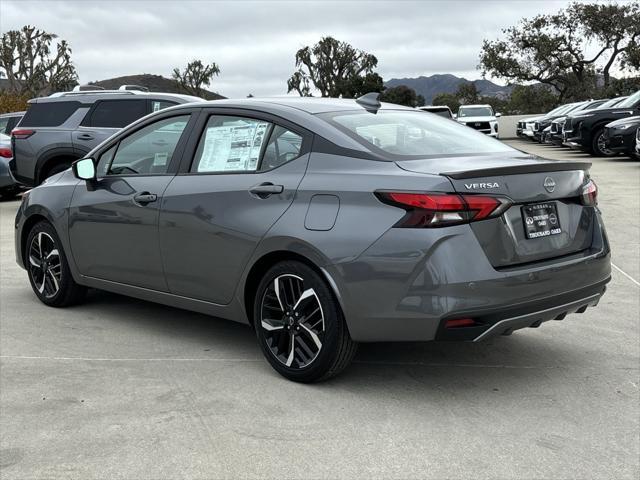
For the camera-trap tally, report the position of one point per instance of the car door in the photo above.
(105, 118)
(241, 177)
(113, 221)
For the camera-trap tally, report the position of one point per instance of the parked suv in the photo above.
(479, 117)
(585, 130)
(63, 127)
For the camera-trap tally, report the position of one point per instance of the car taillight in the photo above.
(21, 133)
(590, 194)
(5, 152)
(429, 210)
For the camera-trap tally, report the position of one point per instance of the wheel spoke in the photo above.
(34, 262)
(53, 253)
(268, 325)
(291, 350)
(306, 294)
(313, 336)
(276, 287)
(54, 280)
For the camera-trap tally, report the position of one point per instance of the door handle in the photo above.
(266, 189)
(145, 198)
(85, 136)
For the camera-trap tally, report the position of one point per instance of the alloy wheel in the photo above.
(292, 320)
(602, 146)
(44, 265)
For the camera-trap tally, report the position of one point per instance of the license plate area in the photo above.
(541, 220)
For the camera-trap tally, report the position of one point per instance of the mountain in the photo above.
(155, 83)
(431, 86)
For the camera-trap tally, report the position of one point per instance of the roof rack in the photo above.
(137, 88)
(85, 88)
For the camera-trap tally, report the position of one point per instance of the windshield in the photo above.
(632, 101)
(611, 103)
(413, 134)
(475, 112)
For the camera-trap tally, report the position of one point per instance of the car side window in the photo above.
(117, 113)
(145, 152)
(230, 144)
(4, 122)
(282, 147)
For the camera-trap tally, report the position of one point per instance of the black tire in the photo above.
(597, 149)
(49, 272)
(309, 362)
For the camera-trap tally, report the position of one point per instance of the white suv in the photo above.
(479, 117)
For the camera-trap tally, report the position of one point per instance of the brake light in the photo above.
(459, 322)
(21, 133)
(5, 152)
(429, 210)
(590, 194)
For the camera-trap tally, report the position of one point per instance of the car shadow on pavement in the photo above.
(523, 359)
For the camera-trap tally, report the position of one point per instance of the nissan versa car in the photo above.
(321, 223)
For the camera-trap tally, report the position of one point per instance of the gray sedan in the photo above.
(321, 223)
(8, 186)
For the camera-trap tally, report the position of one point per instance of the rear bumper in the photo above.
(408, 283)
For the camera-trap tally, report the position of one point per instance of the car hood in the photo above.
(476, 119)
(625, 121)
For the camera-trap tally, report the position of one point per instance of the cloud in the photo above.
(254, 42)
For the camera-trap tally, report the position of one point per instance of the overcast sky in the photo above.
(254, 43)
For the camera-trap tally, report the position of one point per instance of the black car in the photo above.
(586, 129)
(620, 136)
(542, 123)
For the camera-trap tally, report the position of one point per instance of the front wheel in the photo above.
(599, 146)
(300, 325)
(48, 269)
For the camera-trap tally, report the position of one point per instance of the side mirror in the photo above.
(455, 116)
(84, 169)
(498, 115)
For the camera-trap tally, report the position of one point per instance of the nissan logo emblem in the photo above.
(549, 184)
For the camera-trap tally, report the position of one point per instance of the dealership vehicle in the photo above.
(620, 136)
(542, 123)
(321, 223)
(63, 127)
(441, 110)
(480, 118)
(8, 186)
(585, 130)
(557, 125)
(525, 126)
(638, 144)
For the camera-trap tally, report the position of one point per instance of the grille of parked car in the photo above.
(479, 125)
(536, 126)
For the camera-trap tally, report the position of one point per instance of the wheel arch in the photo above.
(268, 260)
(52, 157)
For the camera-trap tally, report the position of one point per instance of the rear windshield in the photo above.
(412, 134)
(443, 112)
(49, 114)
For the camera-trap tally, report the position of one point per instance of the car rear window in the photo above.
(117, 113)
(412, 134)
(49, 114)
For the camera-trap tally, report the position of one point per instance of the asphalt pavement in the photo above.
(121, 388)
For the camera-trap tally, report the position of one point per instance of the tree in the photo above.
(468, 93)
(332, 67)
(195, 76)
(358, 86)
(449, 99)
(527, 99)
(550, 49)
(402, 95)
(35, 62)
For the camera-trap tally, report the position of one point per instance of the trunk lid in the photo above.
(527, 181)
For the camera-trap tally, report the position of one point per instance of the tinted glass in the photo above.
(413, 134)
(4, 124)
(230, 144)
(49, 114)
(117, 113)
(611, 103)
(149, 150)
(283, 146)
(630, 102)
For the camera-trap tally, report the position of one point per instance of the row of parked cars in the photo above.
(63, 127)
(603, 128)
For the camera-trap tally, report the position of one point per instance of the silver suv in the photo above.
(63, 127)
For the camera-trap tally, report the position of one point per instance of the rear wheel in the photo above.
(48, 269)
(299, 324)
(61, 167)
(598, 145)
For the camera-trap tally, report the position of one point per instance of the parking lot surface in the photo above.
(121, 388)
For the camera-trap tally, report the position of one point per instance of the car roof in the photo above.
(313, 105)
(91, 96)
(476, 105)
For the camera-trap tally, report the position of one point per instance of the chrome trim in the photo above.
(547, 314)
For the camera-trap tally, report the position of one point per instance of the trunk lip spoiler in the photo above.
(519, 169)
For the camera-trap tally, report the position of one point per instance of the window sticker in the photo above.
(232, 147)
